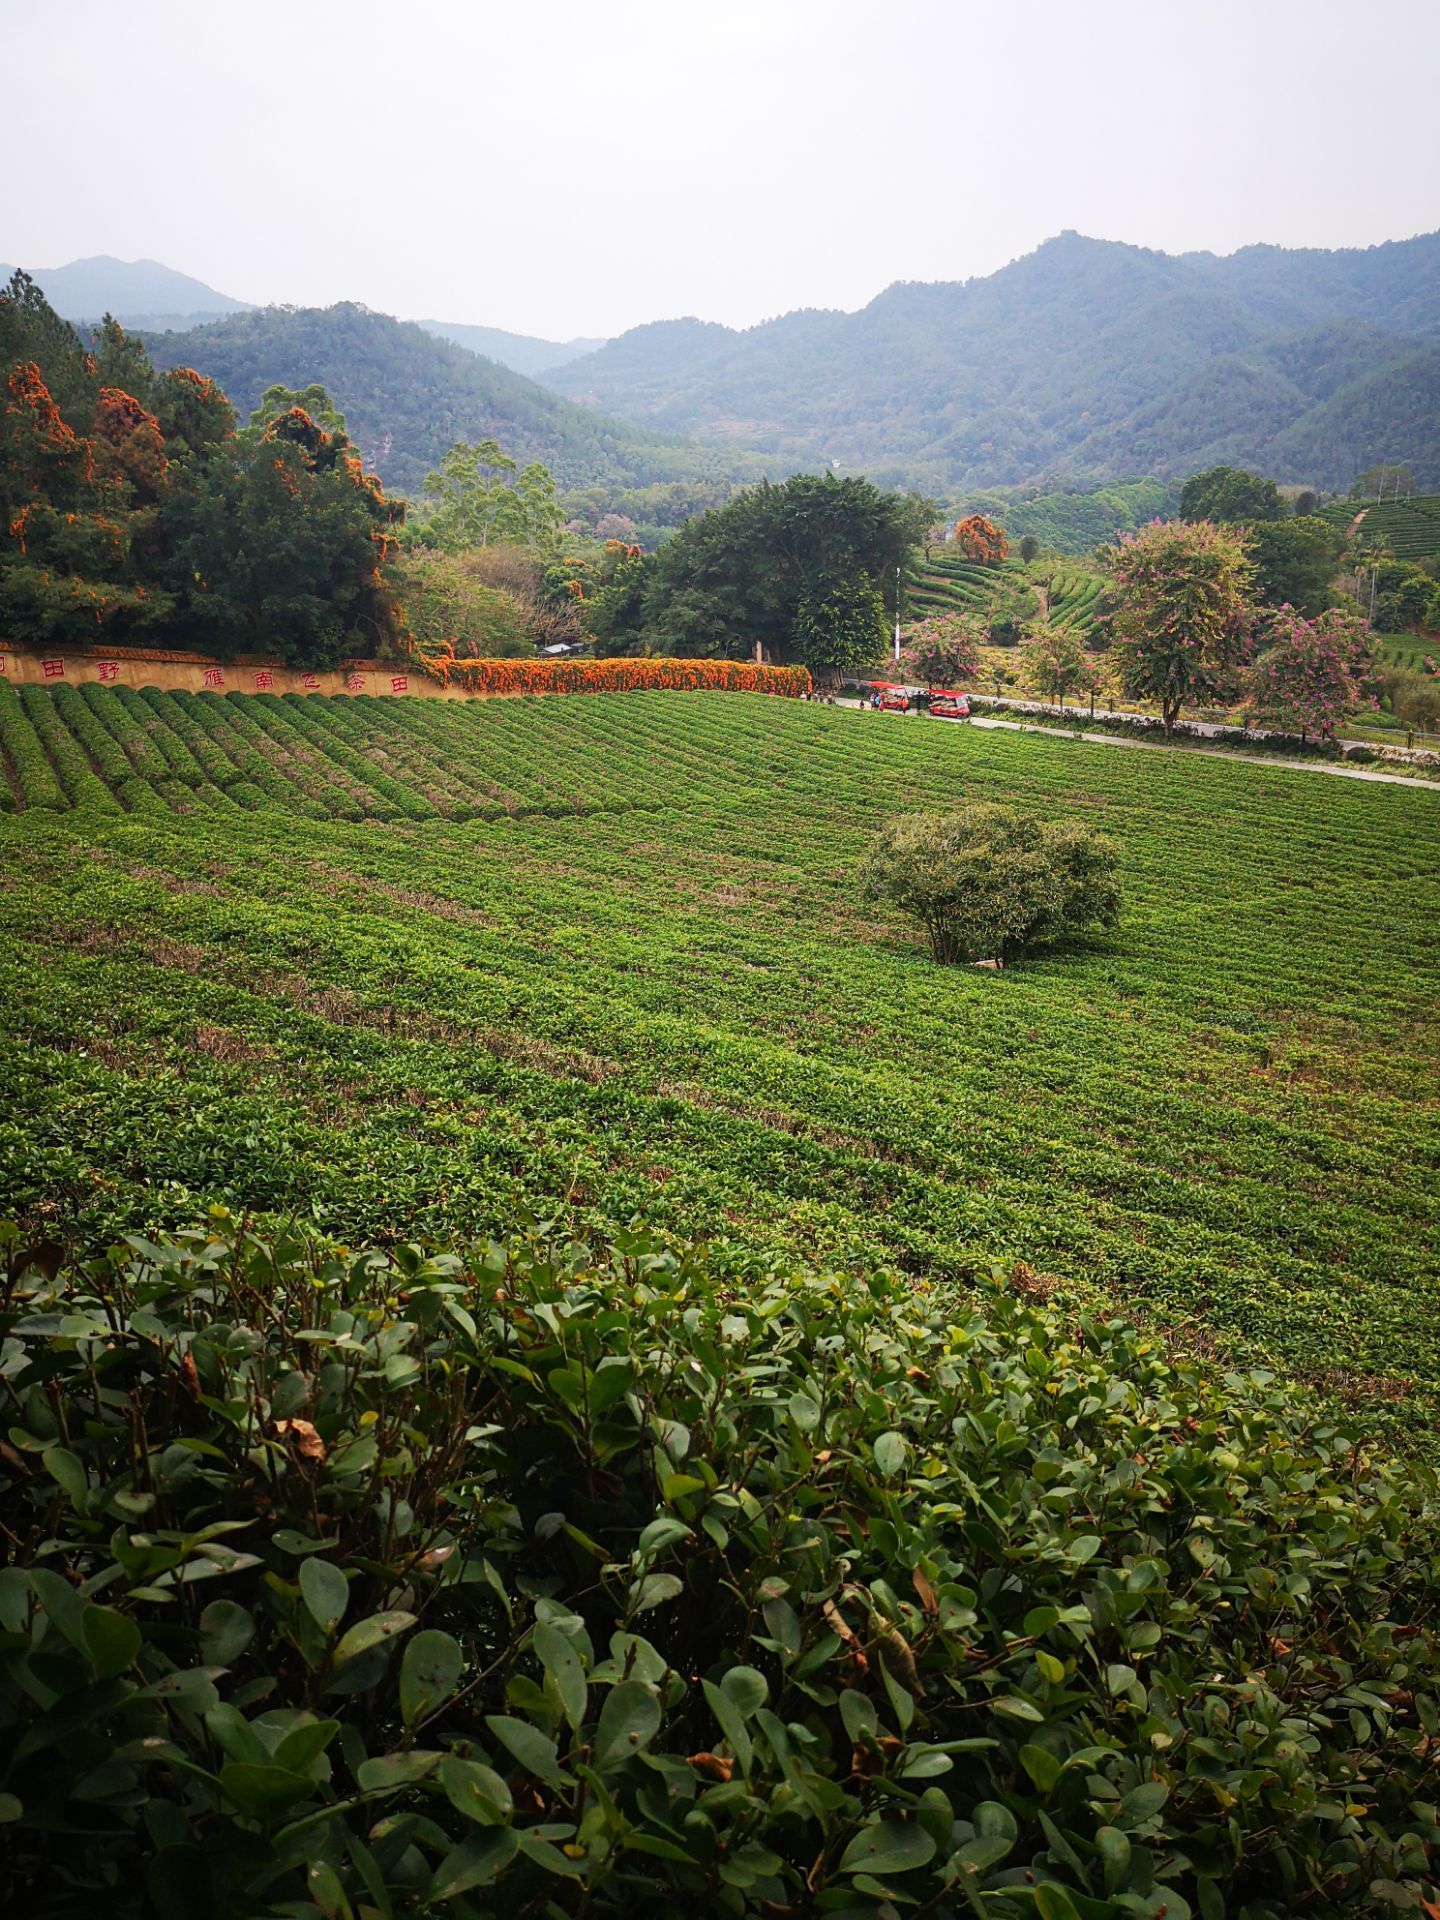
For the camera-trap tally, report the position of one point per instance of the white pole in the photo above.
(897, 616)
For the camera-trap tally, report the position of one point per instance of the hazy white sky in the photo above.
(563, 168)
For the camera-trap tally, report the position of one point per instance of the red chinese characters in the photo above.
(264, 680)
(54, 669)
(310, 681)
(214, 676)
(108, 670)
(354, 683)
(400, 683)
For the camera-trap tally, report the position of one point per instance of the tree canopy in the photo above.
(134, 511)
(990, 882)
(806, 569)
(1183, 614)
(1230, 496)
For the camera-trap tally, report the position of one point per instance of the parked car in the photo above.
(947, 703)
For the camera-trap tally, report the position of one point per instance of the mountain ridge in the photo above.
(1081, 361)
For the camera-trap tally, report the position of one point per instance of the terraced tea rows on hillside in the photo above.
(948, 585)
(1410, 529)
(637, 981)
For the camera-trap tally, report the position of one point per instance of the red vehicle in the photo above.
(948, 703)
(895, 700)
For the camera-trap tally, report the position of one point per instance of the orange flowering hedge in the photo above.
(616, 676)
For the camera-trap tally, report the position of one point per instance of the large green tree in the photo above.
(1295, 561)
(479, 495)
(282, 547)
(1184, 612)
(1231, 496)
(760, 568)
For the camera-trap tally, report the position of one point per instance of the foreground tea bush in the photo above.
(532, 1580)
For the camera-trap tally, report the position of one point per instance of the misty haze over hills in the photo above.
(1085, 361)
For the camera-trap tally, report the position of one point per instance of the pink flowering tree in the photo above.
(1311, 672)
(1184, 613)
(942, 651)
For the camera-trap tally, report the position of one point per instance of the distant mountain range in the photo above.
(409, 396)
(1085, 361)
(140, 293)
(520, 351)
(149, 297)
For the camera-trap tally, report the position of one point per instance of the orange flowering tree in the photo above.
(980, 540)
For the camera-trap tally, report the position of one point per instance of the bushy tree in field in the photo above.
(1312, 672)
(1029, 548)
(992, 882)
(1231, 497)
(1183, 614)
(1057, 665)
(942, 651)
(980, 540)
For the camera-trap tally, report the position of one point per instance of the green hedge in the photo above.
(534, 1581)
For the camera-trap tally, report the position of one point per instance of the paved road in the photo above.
(1161, 746)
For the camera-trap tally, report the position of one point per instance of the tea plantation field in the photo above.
(409, 968)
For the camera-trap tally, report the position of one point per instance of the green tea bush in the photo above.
(537, 1580)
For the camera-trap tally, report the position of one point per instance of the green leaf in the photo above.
(322, 1883)
(888, 1846)
(654, 1590)
(476, 1861)
(533, 1749)
(304, 1744)
(371, 1633)
(747, 1688)
(1142, 1804)
(629, 1720)
(67, 1470)
(1015, 1707)
(264, 1793)
(890, 1452)
(476, 1791)
(1114, 1850)
(730, 1722)
(1052, 1902)
(557, 1653)
(1041, 1765)
(429, 1673)
(112, 1641)
(389, 1771)
(326, 1593)
(225, 1631)
(10, 1809)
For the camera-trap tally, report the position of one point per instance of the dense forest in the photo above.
(409, 397)
(1086, 361)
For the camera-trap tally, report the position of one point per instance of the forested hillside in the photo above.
(1085, 361)
(408, 397)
